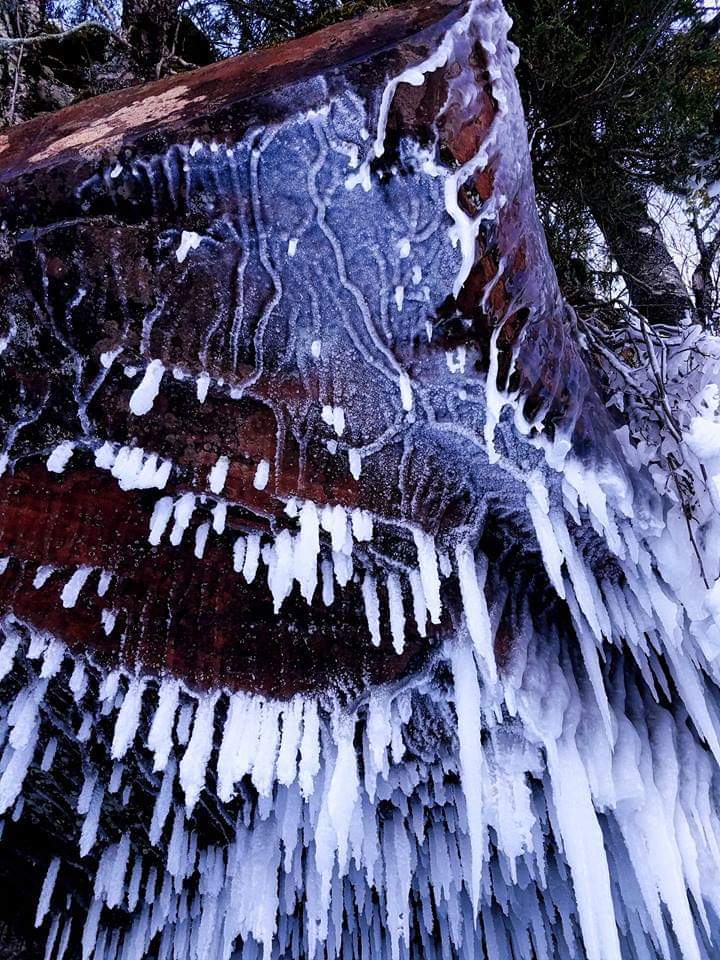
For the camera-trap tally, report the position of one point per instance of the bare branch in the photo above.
(43, 37)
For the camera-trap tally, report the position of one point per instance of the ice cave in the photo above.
(340, 618)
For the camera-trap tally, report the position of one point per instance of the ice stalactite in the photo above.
(525, 809)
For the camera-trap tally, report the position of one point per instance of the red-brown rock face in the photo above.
(248, 315)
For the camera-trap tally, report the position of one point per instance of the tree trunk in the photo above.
(635, 241)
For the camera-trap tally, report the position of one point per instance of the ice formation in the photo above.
(543, 781)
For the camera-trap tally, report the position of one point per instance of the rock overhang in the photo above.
(320, 270)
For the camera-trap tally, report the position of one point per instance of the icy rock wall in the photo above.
(287, 328)
(546, 783)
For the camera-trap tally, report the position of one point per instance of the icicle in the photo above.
(183, 511)
(201, 535)
(163, 802)
(218, 475)
(197, 754)
(160, 739)
(219, 515)
(419, 604)
(41, 576)
(252, 556)
(307, 547)
(280, 573)
(343, 791)
(552, 555)
(290, 741)
(477, 617)
(128, 719)
(104, 583)
(59, 458)
(354, 463)
(328, 584)
(90, 930)
(47, 891)
(72, 588)
(263, 769)
(88, 834)
(469, 727)
(147, 390)
(372, 608)
(239, 743)
(362, 525)
(397, 613)
(8, 651)
(161, 514)
(238, 554)
(309, 748)
(584, 848)
(429, 575)
(262, 475)
(189, 240)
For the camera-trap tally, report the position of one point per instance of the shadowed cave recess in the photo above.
(338, 618)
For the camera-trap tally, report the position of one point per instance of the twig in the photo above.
(16, 85)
